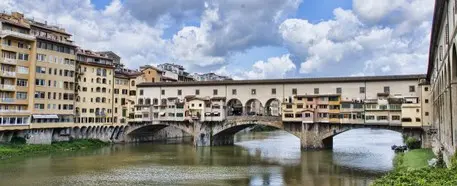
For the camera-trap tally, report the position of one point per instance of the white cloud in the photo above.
(228, 27)
(274, 67)
(375, 37)
(112, 28)
(352, 40)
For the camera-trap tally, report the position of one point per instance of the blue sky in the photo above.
(253, 39)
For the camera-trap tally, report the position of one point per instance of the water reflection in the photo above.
(269, 158)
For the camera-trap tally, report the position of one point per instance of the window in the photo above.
(179, 92)
(382, 117)
(253, 92)
(41, 70)
(369, 117)
(395, 118)
(233, 91)
(386, 89)
(417, 110)
(41, 57)
(197, 92)
(289, 106)
(40, 82)
(298, 115)
(426, 113)
(21, 82)
(362, 90)
(288, 115)
(294, 91)
(20, 45)
(22, 70)
(426, 89)
(39, 95)
(338, 90)
(316, 90)
(21, 95)
(24, 57)
(273, 91)
(418, 120)
(215, 92)
(426, 100)
(299, 105)
(345, 105)
(39, 106)
(163, 92)
(412, 88)
(7, 42)
(309, 99)
(307, 115)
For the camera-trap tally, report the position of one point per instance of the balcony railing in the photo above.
(7, 100)
(14, 111)
(8, 73)
(7, 87)
(16, 34)
(9, 61)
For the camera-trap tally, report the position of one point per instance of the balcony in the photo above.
(7, 87)
(100, 114)
(14, 112)
(8, 61)
(7, 74)
(19, 35)
(7, 100)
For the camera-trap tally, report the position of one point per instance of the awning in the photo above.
(51, 116)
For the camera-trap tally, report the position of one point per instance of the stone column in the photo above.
(311, 138)
(202, 134)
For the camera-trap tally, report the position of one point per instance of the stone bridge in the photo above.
(311, 135)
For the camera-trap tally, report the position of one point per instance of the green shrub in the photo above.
(18, 140)
(10, 150)
(413, 143)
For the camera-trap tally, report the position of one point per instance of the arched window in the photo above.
(103, 100)
(148, 101)
(99, 80)
(97, 89)
(103, 89)
(99, 71)
(104, 72)
(104, 81)
(164, 101)
(140, 101)
(155, 101)
(97, 100)
(132, 83)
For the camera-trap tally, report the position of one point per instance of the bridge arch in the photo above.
(234, 107)
(273, 107)
(254, 107)
(144, 130)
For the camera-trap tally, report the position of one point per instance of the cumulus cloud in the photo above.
(353, 42)
(374, 37)
(227, 27)
(112, 28)
(273, 68)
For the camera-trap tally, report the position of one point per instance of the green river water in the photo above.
(260, 158)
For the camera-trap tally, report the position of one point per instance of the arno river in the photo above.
(262, 158)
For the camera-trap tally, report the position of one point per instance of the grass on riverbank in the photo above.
(10, 150)
(417, 158)
(411, 169)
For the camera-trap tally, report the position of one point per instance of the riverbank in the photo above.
(411, 168)
(14, 150)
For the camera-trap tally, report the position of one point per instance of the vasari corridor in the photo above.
(228, 92)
